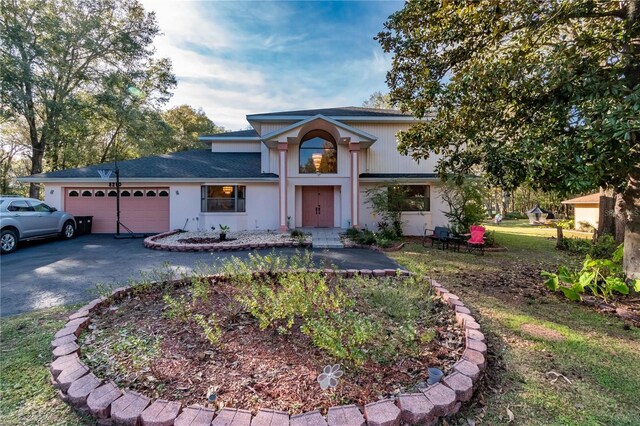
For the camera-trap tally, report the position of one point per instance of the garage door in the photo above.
(143, 210)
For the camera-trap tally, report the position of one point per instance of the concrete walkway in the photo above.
(43, 274)
(325, 237)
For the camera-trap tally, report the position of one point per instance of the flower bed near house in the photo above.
(210, 241)
(218, 336)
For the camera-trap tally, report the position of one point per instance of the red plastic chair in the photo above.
(477, 238)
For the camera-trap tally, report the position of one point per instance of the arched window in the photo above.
(87, 193)
(138, 193)
(99, 193)
(125, 193)
(163, 193)
(73, 193)
(318, 153)
(151, 193)
(113, 193)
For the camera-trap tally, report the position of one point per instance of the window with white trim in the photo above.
(417, 198)
(223, 198)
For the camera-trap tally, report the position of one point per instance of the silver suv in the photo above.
(26, 218)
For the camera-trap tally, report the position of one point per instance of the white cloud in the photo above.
(231, 68)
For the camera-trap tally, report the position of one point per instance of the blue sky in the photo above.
(233, 58)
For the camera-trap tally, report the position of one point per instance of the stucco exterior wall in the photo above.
(261, 209)
(414, 223)
(589, 213)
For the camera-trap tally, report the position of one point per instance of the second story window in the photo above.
(318, 153)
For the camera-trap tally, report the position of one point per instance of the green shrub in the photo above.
(515, 215)
(601, 277)
(602, 248)
(296, 233)
(585, 227)
(176, 308)
(210, 328)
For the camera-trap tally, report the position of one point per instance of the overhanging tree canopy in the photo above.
(544, 92)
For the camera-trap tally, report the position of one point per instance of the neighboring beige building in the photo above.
(587, 209)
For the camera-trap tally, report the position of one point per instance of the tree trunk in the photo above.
(36, 167)
(606, 217)
(620, 219)
(631, 195)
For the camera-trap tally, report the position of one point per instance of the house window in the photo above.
(125, 193)
(113, 193)
(86, 193)
(318, 153)
(223, 198)
(151, 193)
(73, 193)
(138, 193)
(99, 193)
(412, 198)
(163, 193)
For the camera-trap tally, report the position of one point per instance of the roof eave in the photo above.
(72, 180)
(278, 118)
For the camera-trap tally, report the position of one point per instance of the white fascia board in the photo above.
(399, 180)
(343, 126)
(395, 119)
(230, 138)
(72, 181)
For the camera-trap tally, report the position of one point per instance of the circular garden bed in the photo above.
(189, 241)
(258, 340)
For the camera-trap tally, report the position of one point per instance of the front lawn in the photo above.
(551, 361)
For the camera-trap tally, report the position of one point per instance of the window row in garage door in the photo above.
(143, 210)
(113, 193)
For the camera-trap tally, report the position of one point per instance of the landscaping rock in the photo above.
(345, 415)
(80, 389)
(100, 399)
(379, 273)
(70, 374)
(80, 314)
(442, 398)
(468, 369)
(267, 417)
(66, 349)
(160, 413)
(475, 357)
(475, 334)
(382, 413)
(232, 417)
(195, 416)
(459, 383)
(477, 345)
(312, 418)
(416, 409)
(127, 409)
(462, 309)
(59, 341)
(72, 330)
(61, 363)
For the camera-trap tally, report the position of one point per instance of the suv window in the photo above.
(19, 206)
(41, 207)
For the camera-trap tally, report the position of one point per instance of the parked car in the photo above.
(27, 218)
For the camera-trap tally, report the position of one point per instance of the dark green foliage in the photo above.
(515, 215)
(599, 277)
(602, 248)
(465, 205)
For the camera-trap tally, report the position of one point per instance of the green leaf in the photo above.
(552, 281)
(636, 285)
(616, 284)
(571, 293)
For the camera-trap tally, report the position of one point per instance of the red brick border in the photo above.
(110, 405)
(150, 242)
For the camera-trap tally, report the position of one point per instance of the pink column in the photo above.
(282, 186)
(354, 152)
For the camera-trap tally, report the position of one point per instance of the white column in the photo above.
(354, 152)
(282, 188)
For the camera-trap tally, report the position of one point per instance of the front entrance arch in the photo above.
(317, 206)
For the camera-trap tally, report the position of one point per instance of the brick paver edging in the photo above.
(109, 405)
(150, 242)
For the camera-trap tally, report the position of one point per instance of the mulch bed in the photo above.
(204, 240)
(254, 368)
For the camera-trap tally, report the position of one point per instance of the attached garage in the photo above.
(142, 210)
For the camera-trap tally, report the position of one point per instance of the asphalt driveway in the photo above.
(49, 273)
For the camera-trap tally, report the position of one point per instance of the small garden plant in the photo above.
(269, 324)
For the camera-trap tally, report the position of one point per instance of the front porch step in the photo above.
(325, 237)
(332, 245)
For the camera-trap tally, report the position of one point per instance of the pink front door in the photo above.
(144, 210)
(317, 206)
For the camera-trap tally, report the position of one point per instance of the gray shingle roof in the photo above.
(350, 111)
(237, 134)
(199, 163)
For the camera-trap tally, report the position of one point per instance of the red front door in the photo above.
(317, 206)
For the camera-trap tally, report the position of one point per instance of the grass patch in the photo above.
(26, 397)
(593, 351)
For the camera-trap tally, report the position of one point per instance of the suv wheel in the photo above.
(8, 241)
(68, 230)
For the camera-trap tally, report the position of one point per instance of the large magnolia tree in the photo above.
(541, 92)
